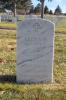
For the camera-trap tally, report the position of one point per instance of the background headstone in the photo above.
(0, 19)
(14, 19)
(35, 51)
(30, 16)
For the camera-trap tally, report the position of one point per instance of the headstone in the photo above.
(30, 16)
(0, 19)
(35, 51)
(14, 19)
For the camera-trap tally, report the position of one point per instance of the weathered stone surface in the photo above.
(35, 50)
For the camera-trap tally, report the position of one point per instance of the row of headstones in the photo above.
(11, 18)
(35, 50)
(8, 18)
(54, 19)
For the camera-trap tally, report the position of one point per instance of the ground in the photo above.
(9, 89)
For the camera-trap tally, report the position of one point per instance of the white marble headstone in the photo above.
(14, 19)
(35, 51)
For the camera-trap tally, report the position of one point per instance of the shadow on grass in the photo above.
(8, 78)
(12, 79)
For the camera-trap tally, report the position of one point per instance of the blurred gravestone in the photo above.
(14, 19)
(30, 16)
(35, 51)
(0, 18)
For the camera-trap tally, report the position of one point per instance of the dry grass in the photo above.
(7, 25)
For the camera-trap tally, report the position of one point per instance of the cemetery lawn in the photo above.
(10, 90)
(7, 25)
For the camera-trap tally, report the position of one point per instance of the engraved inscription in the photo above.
(36, 26)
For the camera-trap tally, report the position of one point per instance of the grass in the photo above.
(32, 92)
(7, 25)
(7, 49)
(60, 58)
(10, 90)
(61, 27)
